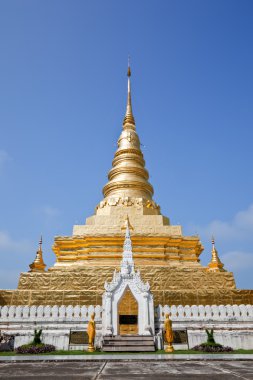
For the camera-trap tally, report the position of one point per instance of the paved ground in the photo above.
(108, 370)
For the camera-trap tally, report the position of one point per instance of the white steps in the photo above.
(128, 343)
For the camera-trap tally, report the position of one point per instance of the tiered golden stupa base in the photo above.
(170, 285)
(99, 242)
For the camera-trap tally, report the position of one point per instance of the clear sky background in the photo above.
(62, 101)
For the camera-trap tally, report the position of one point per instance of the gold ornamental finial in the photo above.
(38, 264)
(215, 264)
(40, 243)
(128, 69)
(129, 118)
(127, 224)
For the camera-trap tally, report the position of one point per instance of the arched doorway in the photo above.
(128, 314)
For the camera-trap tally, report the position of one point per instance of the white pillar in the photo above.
(146, 327)
(108, 313)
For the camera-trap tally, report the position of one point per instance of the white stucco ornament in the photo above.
(127, 278)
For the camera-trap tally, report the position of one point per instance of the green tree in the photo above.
(37, 339)
(210, 338)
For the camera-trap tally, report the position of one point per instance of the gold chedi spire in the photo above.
(38, 264)
(129, 118)
(128, 176)
(215, 264)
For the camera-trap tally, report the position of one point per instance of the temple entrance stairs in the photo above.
(128, 343)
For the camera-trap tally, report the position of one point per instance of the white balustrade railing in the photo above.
(82, 313)
(208, 312)
(50, 313)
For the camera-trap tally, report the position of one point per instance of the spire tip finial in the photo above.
(128, 68)
(129, 118)
(40, 242)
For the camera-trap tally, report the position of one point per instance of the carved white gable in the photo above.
(127, 278)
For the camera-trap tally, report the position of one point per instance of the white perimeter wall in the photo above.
(232, 324)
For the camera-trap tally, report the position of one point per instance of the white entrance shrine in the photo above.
(124, 280)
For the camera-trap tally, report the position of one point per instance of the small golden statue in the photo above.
(168, 333)
(91, 330)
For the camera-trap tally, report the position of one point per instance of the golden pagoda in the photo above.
(38, 264)
(165, 257)
(215, 263)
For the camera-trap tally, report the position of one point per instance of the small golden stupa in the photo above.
(165, 257)
(38, 264)
(215, 264)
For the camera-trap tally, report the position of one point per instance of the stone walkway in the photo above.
(127, 370)
(119, 357)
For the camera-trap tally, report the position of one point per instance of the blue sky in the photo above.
(63, 94)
